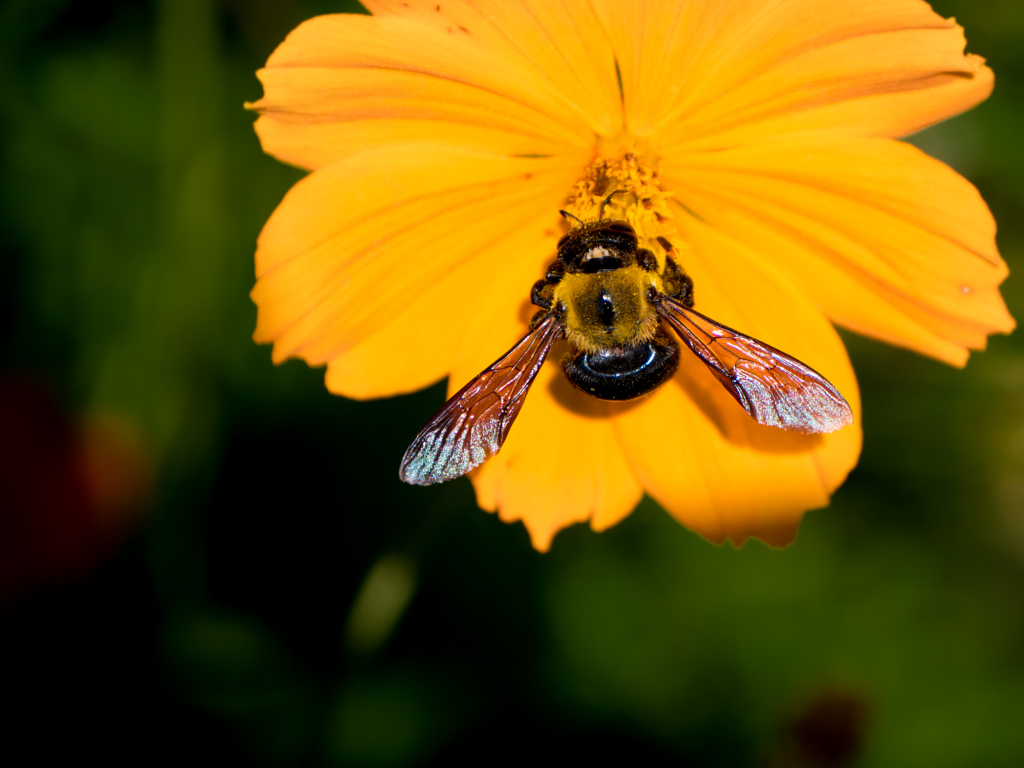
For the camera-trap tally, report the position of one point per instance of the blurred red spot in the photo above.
(828, 731)
(69, 489)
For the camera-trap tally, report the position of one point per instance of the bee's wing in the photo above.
(773, 387)
(473, 424)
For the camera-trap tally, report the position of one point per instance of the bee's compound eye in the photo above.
(621, 226)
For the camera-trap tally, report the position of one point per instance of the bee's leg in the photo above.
(678, 284)
(646, 260)
(543, 292)
(542, 314)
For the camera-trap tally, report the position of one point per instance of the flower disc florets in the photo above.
(643, 203)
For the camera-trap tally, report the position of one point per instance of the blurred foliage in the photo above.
(133, 189)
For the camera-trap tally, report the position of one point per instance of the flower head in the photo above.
(758, 136)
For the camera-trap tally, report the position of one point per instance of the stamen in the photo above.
(643, 203)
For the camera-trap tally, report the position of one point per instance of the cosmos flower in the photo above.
(758, 136)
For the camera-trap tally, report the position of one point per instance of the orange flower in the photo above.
(756, 134)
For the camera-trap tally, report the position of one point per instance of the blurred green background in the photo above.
(222, 565)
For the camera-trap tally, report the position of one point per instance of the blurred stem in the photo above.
(386, 592)
(177, 308)
(191, 94)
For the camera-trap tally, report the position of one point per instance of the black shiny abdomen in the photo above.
(624, 373)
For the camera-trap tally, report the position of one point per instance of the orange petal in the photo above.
(886, 240)
(415, 345)
(693, 447)
(317, 144)
(561, 463)
(721, 72)
(319, 111)
(497, 81)
(398, 236)
(556, 48)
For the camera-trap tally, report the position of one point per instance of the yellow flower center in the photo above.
(643, 203)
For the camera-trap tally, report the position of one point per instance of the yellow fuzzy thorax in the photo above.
(628, 287)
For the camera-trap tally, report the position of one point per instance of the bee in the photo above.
(607, 298)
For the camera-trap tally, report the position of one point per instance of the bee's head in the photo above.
(598, 245)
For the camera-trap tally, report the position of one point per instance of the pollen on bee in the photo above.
(965, 289)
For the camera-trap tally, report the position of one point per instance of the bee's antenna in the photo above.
(567, 215)
(600, 214)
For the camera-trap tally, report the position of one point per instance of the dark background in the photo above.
(184, 528)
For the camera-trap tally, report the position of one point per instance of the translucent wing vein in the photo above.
(774, 388)
(472, 426)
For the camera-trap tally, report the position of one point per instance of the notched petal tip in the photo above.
(541, 539)
(977, 63)
(778, 536)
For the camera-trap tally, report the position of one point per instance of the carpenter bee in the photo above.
(606, 297)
